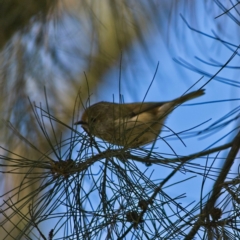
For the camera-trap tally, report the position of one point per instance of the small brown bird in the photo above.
(130, 124)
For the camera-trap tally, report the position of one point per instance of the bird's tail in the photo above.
(189, 96)
(168, 107)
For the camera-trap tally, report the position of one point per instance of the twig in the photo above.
(217, 186)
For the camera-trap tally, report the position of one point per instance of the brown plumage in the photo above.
(130, 124)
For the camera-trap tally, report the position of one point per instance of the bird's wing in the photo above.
(134, 109)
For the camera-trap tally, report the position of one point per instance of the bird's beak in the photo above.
(83, 124)
(80, 122)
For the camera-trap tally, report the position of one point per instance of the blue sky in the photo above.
(169, 45)
(169, 40)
